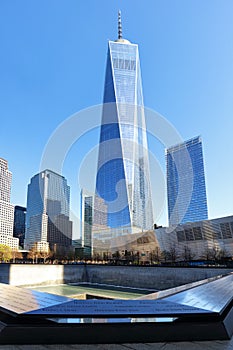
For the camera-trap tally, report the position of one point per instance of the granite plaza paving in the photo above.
(205, 345)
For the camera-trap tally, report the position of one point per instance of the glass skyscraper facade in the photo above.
(123, 179)
(19, 224)
(185, 168)
(93, 219)
(48, 206)
(87, 209)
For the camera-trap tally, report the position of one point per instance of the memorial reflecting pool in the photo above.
(197, 311)
(90, 290)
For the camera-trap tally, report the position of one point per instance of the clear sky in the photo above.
(52, 65)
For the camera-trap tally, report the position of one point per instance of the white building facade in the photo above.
(6, 209)
(200, 239)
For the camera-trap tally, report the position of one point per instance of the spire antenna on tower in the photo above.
(119, 25)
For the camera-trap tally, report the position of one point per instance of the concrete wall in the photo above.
(149, 277)
(131, 276)
(26, 275)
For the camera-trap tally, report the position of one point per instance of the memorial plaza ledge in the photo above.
(194, 315)
(199, 314)
(205, 345)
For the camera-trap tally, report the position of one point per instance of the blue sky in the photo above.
(52, 64)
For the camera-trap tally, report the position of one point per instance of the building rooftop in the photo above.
(120, 39)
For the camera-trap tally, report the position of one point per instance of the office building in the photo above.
(87, 205)
(6, 209)
(19, 224)
(186, 189)
(48, 209)
(93, 218)
(123, 179)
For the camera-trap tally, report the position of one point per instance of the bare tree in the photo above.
(155, 255)
(116, 256)
(170, 255)
(187, 254)
(158, 254)
(208, 254)
(174, 254)
(135, 257)
(223, 254)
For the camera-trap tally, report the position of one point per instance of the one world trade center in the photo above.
(123, 178)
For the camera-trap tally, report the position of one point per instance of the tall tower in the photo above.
(48, 206)
(123, 179)
(183, 206)
(6, 209)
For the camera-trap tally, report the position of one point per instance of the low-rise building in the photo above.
(198, 240)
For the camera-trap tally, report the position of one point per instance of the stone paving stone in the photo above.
(9, 347)
(89, 347)
(58, 347)
(62, 347)
(113, 347)
(205, 345)
(156, 346)
(216, 344)
(31, 347)
(97, 347)
(77, 347)
(179, 346)
(144, 346)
